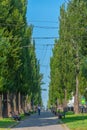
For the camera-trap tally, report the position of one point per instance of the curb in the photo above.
(63, 125)
(11, 126)
(16, 123)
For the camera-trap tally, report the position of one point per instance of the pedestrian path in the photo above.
(46, 121)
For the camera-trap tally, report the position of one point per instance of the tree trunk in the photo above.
(65, 100)
(11, 100)
(76, 97)
(22, 103)
(25, 103)
(6, 105)
(0, 105)
(14, 102)
(19, 103)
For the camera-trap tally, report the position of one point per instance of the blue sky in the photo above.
(44, 13)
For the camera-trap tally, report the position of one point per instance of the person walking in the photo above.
(39, 109)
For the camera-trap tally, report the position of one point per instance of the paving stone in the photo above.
(46, 121)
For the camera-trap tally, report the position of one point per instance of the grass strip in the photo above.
(76, 122)
(6, 122)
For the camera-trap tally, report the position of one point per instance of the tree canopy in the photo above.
(19, 67)
(68, 63)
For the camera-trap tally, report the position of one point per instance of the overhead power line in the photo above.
(44, 55)
(38, 44)
(45, 44)
(39, 38)
(36, 21)
(32, 21)
(42, 21)
(44, 37)
(30, 38)
(11, 24)
(45, 27)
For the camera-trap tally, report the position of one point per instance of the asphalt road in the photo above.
(46, 121)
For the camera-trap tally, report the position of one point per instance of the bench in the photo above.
(26, 113)
(15, 116)
(61, 115)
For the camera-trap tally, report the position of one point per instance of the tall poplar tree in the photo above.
(71, 52)
(18, 61)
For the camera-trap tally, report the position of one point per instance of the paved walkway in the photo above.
(46, 121)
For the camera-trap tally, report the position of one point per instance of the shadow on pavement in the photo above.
(45, 119)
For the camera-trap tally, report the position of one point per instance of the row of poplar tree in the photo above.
(69, 61)
(20, 77)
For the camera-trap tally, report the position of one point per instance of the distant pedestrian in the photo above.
(39, 109)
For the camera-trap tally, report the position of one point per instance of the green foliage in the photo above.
(6, 122)
(68, 62)
(76, 122)
(19, 68)
(84, 67)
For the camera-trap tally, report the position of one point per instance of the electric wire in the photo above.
(32, 38)
(44, 55)
(46, 27)
(40, 38)
(42, 21)
(35, 21)
(34, 26)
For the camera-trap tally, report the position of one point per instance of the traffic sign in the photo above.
(83, 101)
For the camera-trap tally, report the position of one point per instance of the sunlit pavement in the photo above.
(46, 121)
